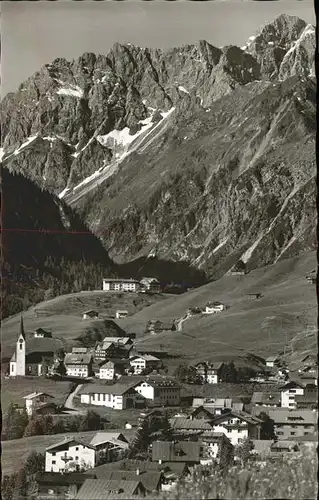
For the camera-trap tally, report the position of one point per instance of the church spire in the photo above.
(21, 328)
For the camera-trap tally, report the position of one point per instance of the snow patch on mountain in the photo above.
(182, 89)
(123, 137)
(73, 91)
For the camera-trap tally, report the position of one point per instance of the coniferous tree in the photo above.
(20, 487)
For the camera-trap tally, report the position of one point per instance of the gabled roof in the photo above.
(181, 451)
(160, 381)
(200, 409)
(151, 480)
(288, 416)
(180, 423)
(90, 311)
(66, 443)
(283, 445)
(241, 415)
(146, 357)
(72, 358)
(290, 384)
(37, 394)
(118, 340)
(105, 437)
(272, 358)
(115, 389)
(266, 398)
(105, 489)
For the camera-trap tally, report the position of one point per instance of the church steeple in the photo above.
(21, 332)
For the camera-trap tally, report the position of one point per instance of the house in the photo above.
(117, 396)
(309, 399)
(284, 446)
(40, 333)
(309, 378)
(71, 454)
(293, 423)
(120, 285)
(209, 372)
(110, 445)
(202, 413)
(310, 360)
(62, 486)
(218, 405)
(177, 451)
(49, 408)
(157, 326)
(112, 369)
(150, 479)
(160, 390)
(105, 489)
(34, 400)
(271, 361)
(79, 350)
(150, 285)
(239, 269)
(121, 314)
(78, 364)
(188, 427)
(289, 392)
(32, 355)
(90, 314)
(104, 350)
(213, 307)
(237, 426)
(144, 362)
(253, 296)
(270, 399)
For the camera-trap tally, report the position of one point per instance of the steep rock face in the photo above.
(198, 153)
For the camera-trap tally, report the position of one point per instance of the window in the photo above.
(291, 397)
(280, 433)
(53, 453)
(53, 462)
(292, 391)
(77, 448)
(76, 458)
(292, 433)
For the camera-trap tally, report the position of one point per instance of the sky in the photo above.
(35, 33)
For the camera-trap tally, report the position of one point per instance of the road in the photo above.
(71, 408)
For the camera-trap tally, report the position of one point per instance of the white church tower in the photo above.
(20, 354)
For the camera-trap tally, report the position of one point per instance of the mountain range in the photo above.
(197, 155)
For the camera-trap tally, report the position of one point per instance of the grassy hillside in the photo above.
(64, 314)
(261, 326)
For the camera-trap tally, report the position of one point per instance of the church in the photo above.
(32, 353)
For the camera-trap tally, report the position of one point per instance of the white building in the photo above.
(289, 392)
(112, 369)
(78, 364)
(271, 361)
(237, 426)
(117, 397)
(70, 455)
(120, 285)
(34, 400)
(140, 363)
(214, 307)
(161, 390)
(150, 284)
(40, 333)
(90, 314)
(121, 314)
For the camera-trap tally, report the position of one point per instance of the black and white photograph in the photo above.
(159, 311)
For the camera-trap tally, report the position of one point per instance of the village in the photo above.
(167, 431)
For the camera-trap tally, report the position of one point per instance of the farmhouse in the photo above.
(293, 423)
(90, 314)
(150, 285)
(35, 400)
(157, 326)
(104, 350)
(213, 307)
(146, 361)
(120, 285)
(69, 455)
(40, 333)
(308, 400)
(181, 451)
(209, 372)
(32, 355)
(112, 369)
(52, 485)
(150, 479)
(218, 405)
(117, 396)
(237, 426)
(271, 361)
(160, 390)
(270, 399)
(121, 314)
(78, 364)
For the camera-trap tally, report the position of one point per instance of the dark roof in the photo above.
(160, 381)
(247, 417)
(130, 464)
(182, 451)
(266, 398)
(288, 416)
(186, 423)
(199, 409)
(62, 479)
(149, 479)
(104, 489)
(116, 389)
(67, 442)
(72, 358)
(21, 330)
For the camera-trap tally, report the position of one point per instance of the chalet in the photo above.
(109, 445)
(213, 307)
(177, 451)
(202, 413)
(113, 369)
(293, 423)
(144, 362)
(120, 285)
(209, 371)
(157, 326)
(237, 426)
(33, 355)
(239, 269)
(309, 399)
(69, 455)
(117, 396)
(35, 400)
(270, 399)
(159, 390)
(150, 479)
(40, 333)
(188, 427)
(218, 405)
(271, 361)
(289, 392)
(150, 285)
(78, 364)
(62, 486)
(95, 489)
(309, 378)
(120, 314)
(104, 350)
(90, 314)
